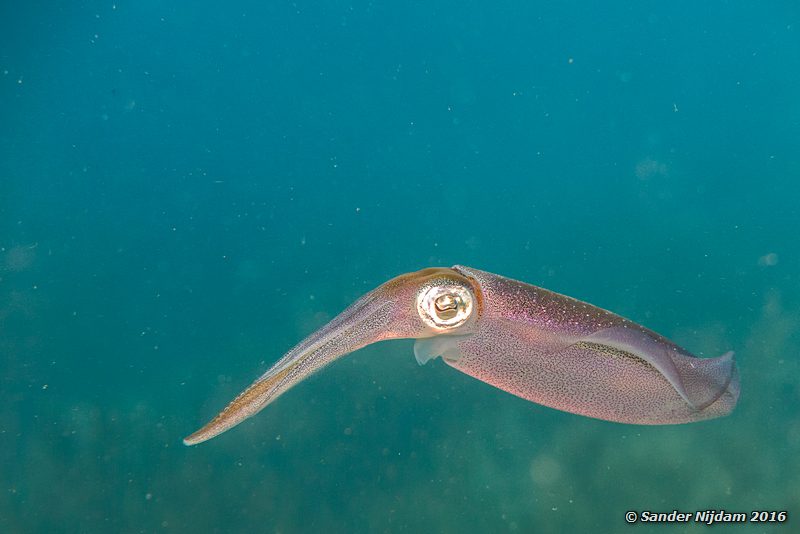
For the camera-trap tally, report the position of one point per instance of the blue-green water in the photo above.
(187, 190)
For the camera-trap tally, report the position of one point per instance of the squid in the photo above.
(542, 346)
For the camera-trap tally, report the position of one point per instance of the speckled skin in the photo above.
(538, 345)
(528, 341)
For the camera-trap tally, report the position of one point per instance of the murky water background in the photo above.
(188, 190)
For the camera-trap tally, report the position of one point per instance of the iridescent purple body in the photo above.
(567, 354)
(542, 346)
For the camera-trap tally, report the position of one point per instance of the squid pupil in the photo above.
(447, 306)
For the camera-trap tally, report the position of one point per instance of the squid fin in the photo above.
(699, 381)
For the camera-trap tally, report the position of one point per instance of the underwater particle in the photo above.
(545, 470)
(768, 260)
(650, 168)
(20, 257)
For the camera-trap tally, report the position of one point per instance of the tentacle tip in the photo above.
(194, 439)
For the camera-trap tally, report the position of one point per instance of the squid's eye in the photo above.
(445, 306)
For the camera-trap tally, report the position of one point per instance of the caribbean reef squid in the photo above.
(536, 344)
